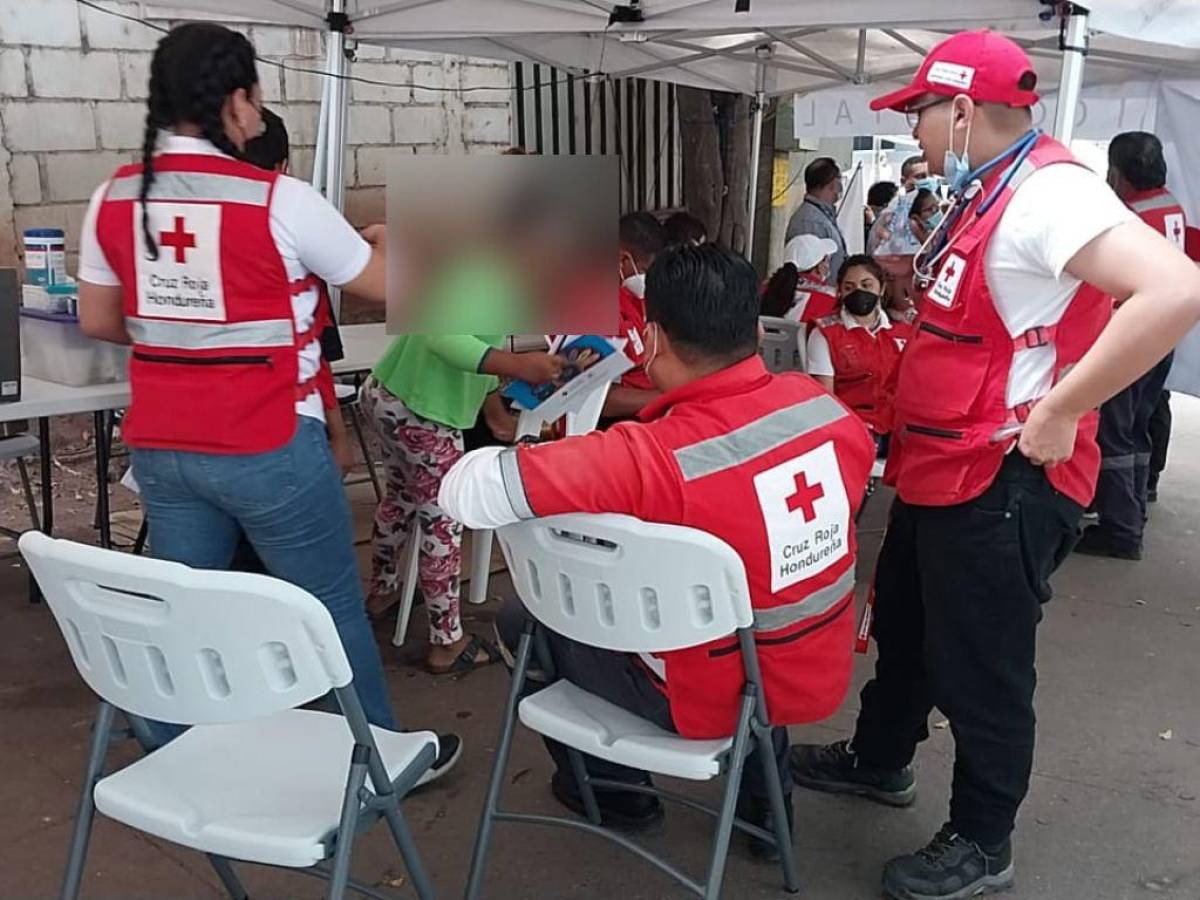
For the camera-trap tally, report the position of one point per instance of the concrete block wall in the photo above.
(73, 85)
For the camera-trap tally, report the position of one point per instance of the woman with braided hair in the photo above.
(209, 266)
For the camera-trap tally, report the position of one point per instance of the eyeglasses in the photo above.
(913, 113)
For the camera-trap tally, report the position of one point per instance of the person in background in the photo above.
(925, 214)
(222, 443)
(727, 448)
(855, 351)
(879, 197)
(891, 234)
(1137, 172)
(640, 239)
(684, 228)
(799, 291)
(817, 213)
(993, 452)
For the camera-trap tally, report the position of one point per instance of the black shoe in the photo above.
(1096, 543)
(627, 810)
(1152, 495)
(757, 811)
(949, 868)
(449, 752)
(836, 769)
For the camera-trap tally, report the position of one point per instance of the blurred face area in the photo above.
(819, 274)
(918, 172)
(241, 115)
(859, 278)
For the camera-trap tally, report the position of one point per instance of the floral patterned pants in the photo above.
(417, 454)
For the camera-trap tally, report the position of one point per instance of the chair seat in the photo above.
(17, 446)
(579, 719)
(346, 393)
(232, 790)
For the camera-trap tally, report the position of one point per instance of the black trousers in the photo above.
(1160, 438)
(958, 597)
(620, 680)
(1126, 450)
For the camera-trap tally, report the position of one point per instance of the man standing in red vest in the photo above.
(994, 453)
(1128, 436)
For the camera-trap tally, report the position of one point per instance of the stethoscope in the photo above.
(926, 260)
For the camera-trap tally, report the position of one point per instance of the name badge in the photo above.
(945, 290)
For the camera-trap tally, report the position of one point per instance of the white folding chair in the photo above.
(782, 347)
(618, 583)
(232, 654)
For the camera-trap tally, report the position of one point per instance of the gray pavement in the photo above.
(1112, 814)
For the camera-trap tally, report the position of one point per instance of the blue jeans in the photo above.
(291, 505)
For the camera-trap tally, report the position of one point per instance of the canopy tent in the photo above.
(1146, 48)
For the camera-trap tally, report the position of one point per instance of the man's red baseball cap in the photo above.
(983, 65)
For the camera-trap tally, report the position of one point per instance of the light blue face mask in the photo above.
(934, 221)
(931, 184)
(957, 169)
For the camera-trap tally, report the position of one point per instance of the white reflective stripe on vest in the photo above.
(193, 186)
(1162, 201)
(760, 436)
(215, 336)
(813, 605)
(510, 476)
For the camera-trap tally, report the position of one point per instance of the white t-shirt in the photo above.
(312, 238)
(1054, 214)
(820, 360)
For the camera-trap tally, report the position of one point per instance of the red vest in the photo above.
(632, 314)
(863, 364)
(1162, 212)
(952, 424)
(214, 362)
(776, 468)
(815, 303)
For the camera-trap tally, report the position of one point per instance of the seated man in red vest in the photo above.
(767, 463)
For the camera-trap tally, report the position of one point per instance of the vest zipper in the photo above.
(788, 638)
(238, 360)
(950, 335)
(935, 432)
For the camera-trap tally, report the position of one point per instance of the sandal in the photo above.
(466, 661)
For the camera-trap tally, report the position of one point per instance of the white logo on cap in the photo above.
(951, 74)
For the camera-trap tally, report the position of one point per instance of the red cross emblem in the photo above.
(949, 271)
(180, 240)
(806, 497)
(1178, 230)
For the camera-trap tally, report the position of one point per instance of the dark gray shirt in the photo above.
(818, 218)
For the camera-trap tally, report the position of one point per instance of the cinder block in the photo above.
(109, 32)
(419, 124)
(12, 73)
(487, 125)
(74, 176)
(26, 185)
(392, 87)
(51, 23)
(31, 126)
(70, 74)
(429, 82)
(122, 125)
(135, 75)
(370, 124)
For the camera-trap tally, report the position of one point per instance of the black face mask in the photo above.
(860, 303)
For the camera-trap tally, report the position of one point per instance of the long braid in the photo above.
(194, 69)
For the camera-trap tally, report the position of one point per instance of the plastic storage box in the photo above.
(54, 349)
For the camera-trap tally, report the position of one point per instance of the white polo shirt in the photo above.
(312, 238)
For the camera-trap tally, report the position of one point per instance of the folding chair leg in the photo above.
(408, 851)
(139, 542)
(233, 885)
(356, 424)
(503, 748)
(584, 783)
(481, 565)
(783, 833)
(412, 558)
(27, 485)
(347, 827)
(87, 804)
(737, 758)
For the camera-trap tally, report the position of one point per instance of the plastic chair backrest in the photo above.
(184, 645)
(780, 348)
(619, 583)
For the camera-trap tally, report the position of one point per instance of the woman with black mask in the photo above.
(854, 352)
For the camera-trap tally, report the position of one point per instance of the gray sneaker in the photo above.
(836, 769)
(949, 868)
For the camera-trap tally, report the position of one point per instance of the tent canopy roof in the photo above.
(704, 43)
